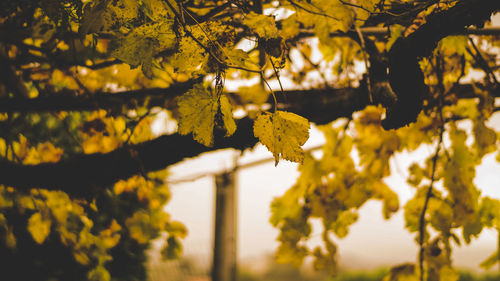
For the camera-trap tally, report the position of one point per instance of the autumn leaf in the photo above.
(172, 250)
(264, 26)
(139, 46)
(200, 111)
(39, 227)
(283, 133)
(105, 15)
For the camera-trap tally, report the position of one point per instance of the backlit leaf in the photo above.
(264, 26)
(283, 133)
(200, 111)
(140, 45)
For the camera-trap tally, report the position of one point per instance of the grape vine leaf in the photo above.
(264, 26)
(105, 15)
(39, 227)
(283, 133)
(201, 110)
(139, 46)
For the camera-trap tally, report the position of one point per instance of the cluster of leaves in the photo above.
(121, 58)
(118, 222)
(355, 159)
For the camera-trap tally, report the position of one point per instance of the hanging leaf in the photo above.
(283, 133)
(200, 109)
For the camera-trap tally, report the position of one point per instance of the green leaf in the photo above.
(39, 227)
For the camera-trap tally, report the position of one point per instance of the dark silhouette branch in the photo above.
(405, 76)
(69, 102)
(85, 175)
(316, 103)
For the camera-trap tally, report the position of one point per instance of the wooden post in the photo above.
(224, 258)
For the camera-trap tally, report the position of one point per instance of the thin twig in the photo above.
(277, 74)
(208, 50)
(422, 222)
(316, 66)
(482, 62)
(426, 203)
(270, 89)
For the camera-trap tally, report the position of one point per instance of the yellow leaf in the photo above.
(290, 27)
(264, 26)
(200, 111)
(344, 220)
(100, 273)
(139, 46)
(177, 229)
(8, 234)
(157, 9)
(105, 15)
(190, 57)
(485, 138)
(254, 94)
(141, 228)
(39, 227)
(44, 152)
(110, 236)
(283, 133)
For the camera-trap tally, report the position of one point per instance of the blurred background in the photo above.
(372, 246)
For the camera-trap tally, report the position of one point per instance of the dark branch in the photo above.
(405, 75)
(85, 175)
(128, 99)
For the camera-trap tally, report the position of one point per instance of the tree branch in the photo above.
(321, 105)
(86, 174)
(405, 76)
(103, 100)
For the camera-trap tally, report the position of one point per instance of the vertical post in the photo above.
(224, 257)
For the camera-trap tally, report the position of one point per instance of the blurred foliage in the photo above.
(56, 55)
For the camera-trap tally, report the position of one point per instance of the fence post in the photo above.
(224, 257)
